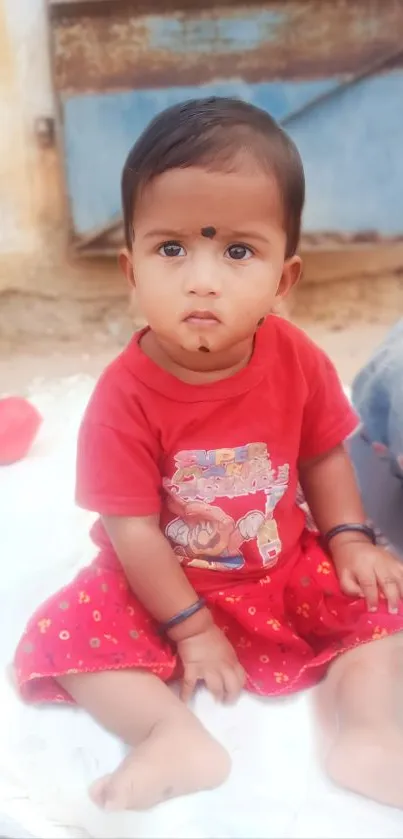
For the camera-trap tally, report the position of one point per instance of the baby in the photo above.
(192, 451)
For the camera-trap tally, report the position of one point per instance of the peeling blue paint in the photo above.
(350, 144)
(184, 35)
(351, 148)
(99, 129)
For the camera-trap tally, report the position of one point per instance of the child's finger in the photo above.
(350, 585)
(241, 674)
(233, 683)
(188, 684)
(391, 591)
(214, 682)
(369, 587)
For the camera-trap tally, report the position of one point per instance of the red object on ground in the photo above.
(19, 424)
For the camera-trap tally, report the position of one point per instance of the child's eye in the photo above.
(172, 249)
(238, 252)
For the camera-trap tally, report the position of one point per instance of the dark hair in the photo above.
(213, 132)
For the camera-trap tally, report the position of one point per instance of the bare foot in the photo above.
(170, 763)
(369, 762)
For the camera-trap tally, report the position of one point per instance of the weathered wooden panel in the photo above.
(117, 47)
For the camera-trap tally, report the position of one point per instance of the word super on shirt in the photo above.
(218, 463)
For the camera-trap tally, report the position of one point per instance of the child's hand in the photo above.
(366, 570)
(210, 658)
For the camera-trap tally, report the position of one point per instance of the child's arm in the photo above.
(154, 572)
(157, 579)
(332, 494)
(119, 476)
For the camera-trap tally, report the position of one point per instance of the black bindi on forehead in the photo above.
(208, 232)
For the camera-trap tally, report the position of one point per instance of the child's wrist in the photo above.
(344, 535)
(194, 625)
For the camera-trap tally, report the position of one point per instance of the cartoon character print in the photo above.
(205, 536)
(222, 473)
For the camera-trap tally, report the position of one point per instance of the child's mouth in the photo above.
(202, 318)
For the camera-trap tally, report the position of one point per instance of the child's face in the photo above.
(208, 256)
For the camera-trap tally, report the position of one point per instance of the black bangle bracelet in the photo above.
(182, 616)
(367, 531)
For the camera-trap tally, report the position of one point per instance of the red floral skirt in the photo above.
(286, 626)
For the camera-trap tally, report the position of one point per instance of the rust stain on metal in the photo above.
(120, 49)
(58, 7)
(66, 4)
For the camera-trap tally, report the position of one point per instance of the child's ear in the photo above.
(292, 271)
(126, 266)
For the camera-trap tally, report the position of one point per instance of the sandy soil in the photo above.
(349, 347)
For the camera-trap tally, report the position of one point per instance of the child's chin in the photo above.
(199, 344)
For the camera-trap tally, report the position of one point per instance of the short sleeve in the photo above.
(328, 418)
(117, 470)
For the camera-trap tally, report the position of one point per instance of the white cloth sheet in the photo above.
(49, 756)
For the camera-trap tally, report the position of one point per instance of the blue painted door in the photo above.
(331, 72)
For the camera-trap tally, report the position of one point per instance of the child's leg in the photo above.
(361, 710)
(172, 753)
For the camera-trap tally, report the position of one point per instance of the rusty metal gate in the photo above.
(330, 70)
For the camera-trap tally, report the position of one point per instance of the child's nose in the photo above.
(204, 279)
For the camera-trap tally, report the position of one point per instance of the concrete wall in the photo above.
(33, 209)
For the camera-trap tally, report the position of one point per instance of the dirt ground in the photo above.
(43, 338)
(20, 367)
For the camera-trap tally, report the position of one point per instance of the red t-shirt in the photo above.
(218, 462)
